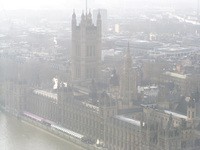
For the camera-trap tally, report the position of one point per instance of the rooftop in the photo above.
(46, 94)
(176, 75)
(175, 114)
(128, 120)
(93, 107)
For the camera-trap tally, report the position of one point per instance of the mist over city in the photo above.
(78, 4)
(100, 75)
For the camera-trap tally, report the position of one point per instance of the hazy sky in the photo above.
(30, 4)
(34, 4)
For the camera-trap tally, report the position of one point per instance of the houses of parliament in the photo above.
(115, 116)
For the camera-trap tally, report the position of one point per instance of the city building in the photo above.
(128, 85)
(184, 83)
(111, 118)
(86, 47)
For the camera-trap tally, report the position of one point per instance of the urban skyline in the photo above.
(63, 4)
(127, 81)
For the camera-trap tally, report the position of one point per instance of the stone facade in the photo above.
(86, 48)
(142, 127)
(98, 115)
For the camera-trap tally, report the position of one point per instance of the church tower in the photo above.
(191, 110)
(86, 48)
(65, 96)
(169, 136)
(128, 86)
(107, 110)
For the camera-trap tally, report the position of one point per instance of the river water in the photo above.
(17, 135)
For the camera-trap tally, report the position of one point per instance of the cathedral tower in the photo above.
(65, 96)
(191, 110)
(128, 86)
(86, 48)
(107, 109)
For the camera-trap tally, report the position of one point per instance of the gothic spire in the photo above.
(89, 18)
(90, 15)
(128, 62)
(73, 20)
(83, 16)
(74, 14)
(99, 16)
(86, 7)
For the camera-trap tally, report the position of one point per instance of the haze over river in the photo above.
(18, 135)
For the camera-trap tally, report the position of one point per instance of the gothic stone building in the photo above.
(118, 122)
(139, 128)
(86, 48)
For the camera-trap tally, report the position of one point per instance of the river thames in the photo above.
(17, 135)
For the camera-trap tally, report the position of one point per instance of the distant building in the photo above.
(184, 83)
(112, 118)
(177, 51)
(117, 28)
(140, 47)
(128, 85)
(144, 127)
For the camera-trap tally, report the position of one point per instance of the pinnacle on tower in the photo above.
(74, 14)
(99, 22)
(128, 57)
(89, 15)
(89, 18)
(73, 19)
(99, 15)
(86, 7)
(128, 49)
(82, 17)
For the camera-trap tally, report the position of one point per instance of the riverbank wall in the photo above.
(53, 132)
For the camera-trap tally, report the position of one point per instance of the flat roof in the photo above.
(46, 94)
(176, 75)
(175, 114)
(128, 120)
(70, 132)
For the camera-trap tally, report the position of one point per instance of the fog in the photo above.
(78, 4)
(116, 74)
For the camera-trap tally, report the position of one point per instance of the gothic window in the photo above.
(90, 50)
(197, 142)
(107, 113)
(77, 50)
(78, 72)
(189, 114)
(94, 72)
(87, 73)
(87, 51)
(90, 73)
(192, 114)
(94, 51)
